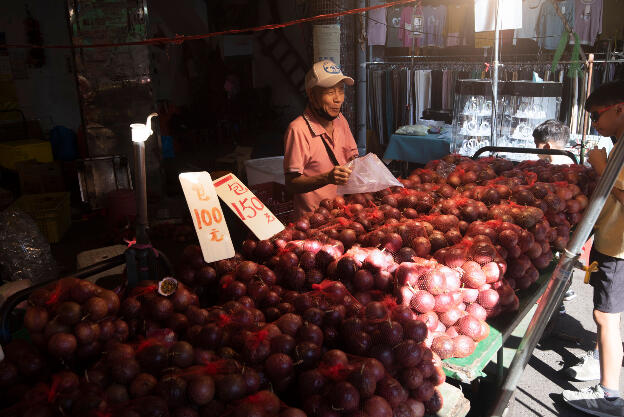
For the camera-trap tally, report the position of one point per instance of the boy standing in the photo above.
(606, 107)
(552, 134)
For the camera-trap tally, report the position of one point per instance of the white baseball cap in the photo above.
(325, 74)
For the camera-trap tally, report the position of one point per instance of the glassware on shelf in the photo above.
(521, 106)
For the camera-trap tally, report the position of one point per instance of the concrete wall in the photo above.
(171, 70)
(47, 93)
(266, 72)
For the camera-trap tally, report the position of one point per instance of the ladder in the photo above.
(277, 47)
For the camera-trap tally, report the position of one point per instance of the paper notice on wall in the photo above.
(510, 13)
(203, 202)
(327, 43)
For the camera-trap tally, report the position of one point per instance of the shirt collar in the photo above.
(313, 123)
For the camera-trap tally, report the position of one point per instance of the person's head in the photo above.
(325, 84)
(551, 134)
(606, 108)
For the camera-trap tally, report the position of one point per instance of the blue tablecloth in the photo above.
(420, 149)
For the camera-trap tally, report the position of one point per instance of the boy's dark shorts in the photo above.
(608, 283)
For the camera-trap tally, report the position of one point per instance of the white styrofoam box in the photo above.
(11, 287)
(263, 170)
(90, 257)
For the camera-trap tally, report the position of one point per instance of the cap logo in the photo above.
(331, 68)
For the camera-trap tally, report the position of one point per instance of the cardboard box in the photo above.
(40, 177)
(51, 212)
(22, 150)
(6, 198)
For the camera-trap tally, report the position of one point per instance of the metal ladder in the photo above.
(284, 55)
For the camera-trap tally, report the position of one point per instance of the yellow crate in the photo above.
(22, 150)
(51, 211)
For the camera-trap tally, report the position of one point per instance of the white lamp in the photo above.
(140, 132)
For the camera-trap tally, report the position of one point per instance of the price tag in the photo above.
(248, 207)
(203, 202)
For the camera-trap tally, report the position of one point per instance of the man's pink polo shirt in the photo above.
(305, 154)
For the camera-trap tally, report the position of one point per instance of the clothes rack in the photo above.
(396, 95)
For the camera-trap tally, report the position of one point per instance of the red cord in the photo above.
(178, 39)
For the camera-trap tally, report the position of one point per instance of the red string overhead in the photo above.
(177, 40)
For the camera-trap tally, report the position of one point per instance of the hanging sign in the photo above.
(247, 207)
(203, 202)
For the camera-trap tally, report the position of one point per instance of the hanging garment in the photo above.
(436, 89)
(395, 97)
(377, 24)
(448, 87)
(612, 19)
(455, 25)
(469, 33)
(485, 15)
(378, 118)
(434, 20)
(588, 20)
(549, 25)
(405, 32)
(530, 13)
(422, 93)
(403, 98)
(410, 97)
(393, 19)
(486, 39)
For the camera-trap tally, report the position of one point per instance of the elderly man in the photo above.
(319, 143)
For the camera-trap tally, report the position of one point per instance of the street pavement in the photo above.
(539, 391)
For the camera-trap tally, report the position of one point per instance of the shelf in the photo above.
(530, 118)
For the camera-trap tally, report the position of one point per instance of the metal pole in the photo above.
(590, 71)
(141, 193)
(556, 288)
(494, 124)
(361, 82)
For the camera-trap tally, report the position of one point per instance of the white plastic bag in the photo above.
(369, 175)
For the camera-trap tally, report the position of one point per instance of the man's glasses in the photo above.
(595, 115)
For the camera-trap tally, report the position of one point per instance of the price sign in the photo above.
(203, 202)
(248, 207)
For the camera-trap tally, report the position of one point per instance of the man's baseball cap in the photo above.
(325, 74)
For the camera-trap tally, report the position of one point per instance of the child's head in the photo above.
(551, 134)
(606, 108)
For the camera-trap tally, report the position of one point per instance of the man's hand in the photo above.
(598, 159)
(339, 175)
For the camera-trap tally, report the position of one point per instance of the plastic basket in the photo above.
(51, 211)
(276, 198)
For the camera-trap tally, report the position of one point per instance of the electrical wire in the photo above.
(179, 39)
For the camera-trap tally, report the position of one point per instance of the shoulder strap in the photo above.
(330, 153)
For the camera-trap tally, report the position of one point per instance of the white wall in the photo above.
(47, 93)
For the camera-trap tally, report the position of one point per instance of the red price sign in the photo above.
(203, 202)
(247, 207)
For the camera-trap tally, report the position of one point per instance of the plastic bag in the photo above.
(368, 176)
(413, 130)
(24, 251)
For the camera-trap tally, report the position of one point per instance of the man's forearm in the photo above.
(304, 184)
